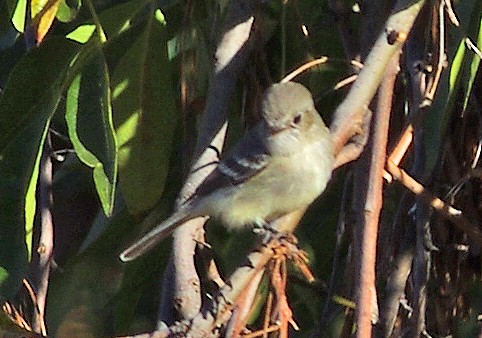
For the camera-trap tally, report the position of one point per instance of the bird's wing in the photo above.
(248, 158)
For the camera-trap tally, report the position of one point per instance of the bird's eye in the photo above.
(297, 119)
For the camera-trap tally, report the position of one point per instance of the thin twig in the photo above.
(41, 272)
(400, 150)
(440, 206)
(451, 13)
(244, 304)
(267, 316)
(303, 68)
(263, 332)
(441, 58)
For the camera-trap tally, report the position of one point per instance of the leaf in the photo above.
(454, 83)
(474, 64)
(18, 9)
(113, 20)
(43, 14)
(145, 117)
(82, 297)
(91, 131)
(68, 10)
(30, 98)
(466, 60)
(82, 33)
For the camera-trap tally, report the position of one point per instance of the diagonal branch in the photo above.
(349, 116)
(230, 57)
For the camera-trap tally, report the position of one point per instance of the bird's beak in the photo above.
(274, 131)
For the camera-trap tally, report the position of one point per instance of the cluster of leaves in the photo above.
(99, 82)
(102, 88)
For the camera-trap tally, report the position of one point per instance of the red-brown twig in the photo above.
(303, 68)
(366, 275)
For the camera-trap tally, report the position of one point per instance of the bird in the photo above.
(280, 165)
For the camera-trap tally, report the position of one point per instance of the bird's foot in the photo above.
(266, 231)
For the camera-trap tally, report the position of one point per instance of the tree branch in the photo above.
(349, 116)
(367, 252)
(230, 57)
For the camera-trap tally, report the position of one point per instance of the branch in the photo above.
(206, 322)
(349, 116)
(230, 57)
(367, 252)
(42, 256)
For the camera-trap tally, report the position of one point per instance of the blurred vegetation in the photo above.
(103, 79)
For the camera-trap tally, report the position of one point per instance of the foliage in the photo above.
(119, 87)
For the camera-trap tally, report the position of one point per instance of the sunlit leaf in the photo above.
(89, 120)
(19, 9)
(82, 33)
(474, 64)
(145, 117)
(43, 16)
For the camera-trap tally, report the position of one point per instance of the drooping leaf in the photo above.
(91, 131)
(81, 296)
(31, 96)
(145, 117)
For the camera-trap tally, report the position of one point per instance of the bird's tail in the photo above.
(148, 241)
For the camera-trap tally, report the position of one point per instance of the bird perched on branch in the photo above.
(280, 165)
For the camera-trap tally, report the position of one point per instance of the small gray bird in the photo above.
(280, 165)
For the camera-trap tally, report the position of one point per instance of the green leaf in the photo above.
(455, 83)
(114, 20)
(18, 9)
(30, 98)
(462, 73)
(91, 131)
(465, 59)
(82, 33)
(145, 117)
(68, 10)
(474, 65)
